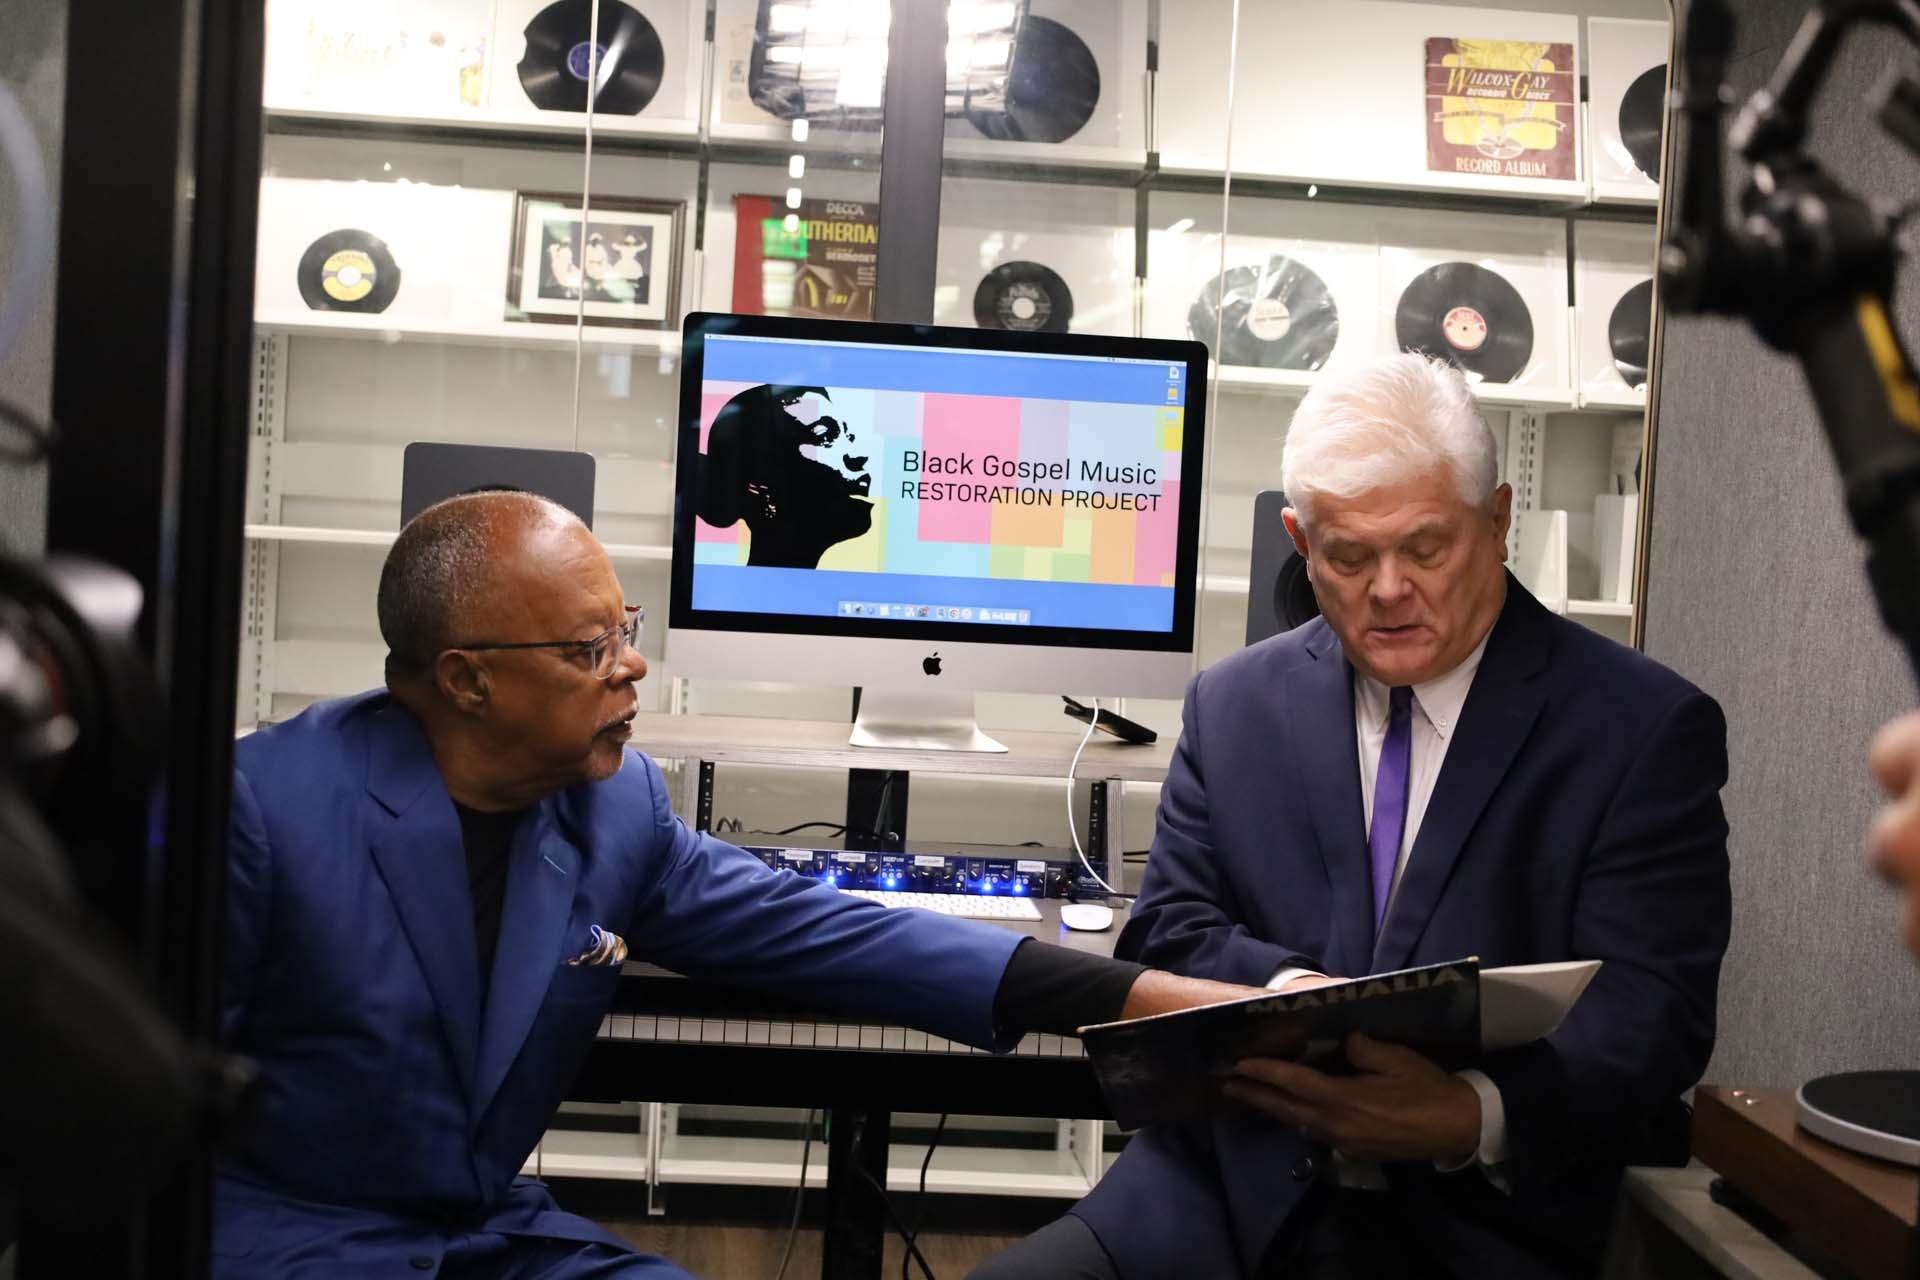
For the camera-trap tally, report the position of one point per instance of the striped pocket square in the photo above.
(608, 948)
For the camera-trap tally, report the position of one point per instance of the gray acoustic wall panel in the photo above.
(1755, 592)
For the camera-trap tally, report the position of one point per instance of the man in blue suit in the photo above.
(1437, 767)
(432, 889)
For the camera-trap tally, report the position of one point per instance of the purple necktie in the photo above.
(1390, 798)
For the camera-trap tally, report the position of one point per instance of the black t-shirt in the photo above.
(488, 838)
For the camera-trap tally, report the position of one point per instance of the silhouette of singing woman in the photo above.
(777, 462)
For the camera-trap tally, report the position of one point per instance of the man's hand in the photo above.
(1156, 991)
(1893, 842)
(1307, 981)
(1399, 1107)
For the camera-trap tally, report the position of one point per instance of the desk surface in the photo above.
(823, 744)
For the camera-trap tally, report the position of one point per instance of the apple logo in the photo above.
(931, 665)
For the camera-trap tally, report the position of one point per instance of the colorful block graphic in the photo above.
(955, 428)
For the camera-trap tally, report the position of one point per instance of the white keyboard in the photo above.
(974, 907)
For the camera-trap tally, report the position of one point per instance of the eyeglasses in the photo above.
(603, 651)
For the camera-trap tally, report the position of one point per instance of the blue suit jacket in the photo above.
(398, 1104)
(1577, 816)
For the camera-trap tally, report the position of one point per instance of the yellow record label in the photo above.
(348, 275)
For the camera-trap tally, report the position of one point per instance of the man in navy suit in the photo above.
(1437, 767)
(432, 889)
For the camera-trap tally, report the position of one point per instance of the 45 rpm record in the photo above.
(1641, 107)
(631, 59)
(1053, 84)
(348, 270)
(1279, 316)
(1627, 332)
(1468, 316)
(1024, 296)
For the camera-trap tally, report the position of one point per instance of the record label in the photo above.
(348, 270)
(1465, 329)
(1627, 330)
(562, 44)
(1276, 316)
(1026, 297)
(1469, 316)
(1269, 320)
(584, 57)
(348, 275)
(1053, 86)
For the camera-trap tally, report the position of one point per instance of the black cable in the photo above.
(838, 828)
(920, 1199)
(886, 1201)
(799, 1197)
(880, 810)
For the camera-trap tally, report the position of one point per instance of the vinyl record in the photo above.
(1280, 316)
(1641, 107)
(1023, 296)
(1468, 316)
(631, 59)
(1627, 332)
(1053, 85)
(348, 270)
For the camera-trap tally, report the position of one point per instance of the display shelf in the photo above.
(586, 1153)
(1515, 196)
(481, 127)
(1625, 400)
(486, 333)
(972, 157)
(384, 538)
(731, 144)
(823, 745)
(1600, 608)
(1296, 382)
(775, 1162)
(1627, 198)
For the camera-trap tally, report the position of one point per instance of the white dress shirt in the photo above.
(1437, 704)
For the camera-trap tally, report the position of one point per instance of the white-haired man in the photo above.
(1437, 767)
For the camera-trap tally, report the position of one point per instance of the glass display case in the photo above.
(451, 249)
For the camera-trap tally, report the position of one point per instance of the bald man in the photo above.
(433, 887)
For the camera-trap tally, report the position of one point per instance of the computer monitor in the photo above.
(927, 512)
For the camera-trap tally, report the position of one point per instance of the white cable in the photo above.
(33, 249)
(586, 211)
(1073, 830)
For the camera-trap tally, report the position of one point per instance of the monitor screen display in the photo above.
(882, 486)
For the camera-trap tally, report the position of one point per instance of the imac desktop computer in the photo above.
(928, 512)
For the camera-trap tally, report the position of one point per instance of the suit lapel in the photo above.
(542, 875)
(1319, 709)
(1499, 714)
(417, 848)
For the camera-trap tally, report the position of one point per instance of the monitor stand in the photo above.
(897, 719)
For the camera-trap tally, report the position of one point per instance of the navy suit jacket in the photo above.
(398, 1104)
(1577, 816)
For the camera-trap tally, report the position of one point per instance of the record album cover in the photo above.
(1501, 107)
(361, 55)
(645, 53)
(1627, 91)
(1485, 292)
(1035, 258)
(822, 266)
(1171, 1065)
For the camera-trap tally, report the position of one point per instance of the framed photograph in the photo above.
(625, 261)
